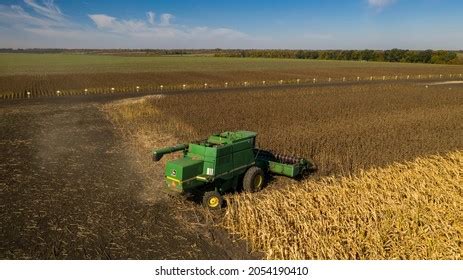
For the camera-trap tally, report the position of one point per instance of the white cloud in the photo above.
(46, 15)
(164, 34)
(45, 25)
(151, 16)
(165, 19)
(380, 4)
(103, 21)
(112, 24)
(48, 9)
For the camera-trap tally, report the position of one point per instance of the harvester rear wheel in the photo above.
(212, 200)
(254, 179)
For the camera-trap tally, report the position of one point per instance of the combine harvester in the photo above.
(223, 163)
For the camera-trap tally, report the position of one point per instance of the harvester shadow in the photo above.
(197, 197)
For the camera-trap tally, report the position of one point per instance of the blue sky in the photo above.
(292, 24)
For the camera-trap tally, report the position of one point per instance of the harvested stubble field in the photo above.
(343, 129)
(402, 211)
(44, 74)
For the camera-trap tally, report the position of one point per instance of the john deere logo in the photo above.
(174, 172)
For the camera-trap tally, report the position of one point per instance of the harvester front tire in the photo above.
(254, 179)
(212, 200)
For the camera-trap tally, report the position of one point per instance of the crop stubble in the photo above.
(408, 211)
(343, 129)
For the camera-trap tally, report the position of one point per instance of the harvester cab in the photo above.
(225, 162)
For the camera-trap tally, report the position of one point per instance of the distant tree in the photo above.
(395, 55)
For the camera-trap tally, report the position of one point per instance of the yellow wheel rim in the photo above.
(258, 181)
(213, 202)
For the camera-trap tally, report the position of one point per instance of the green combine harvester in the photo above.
(223, 163)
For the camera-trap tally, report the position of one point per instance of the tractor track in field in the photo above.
(69, 190)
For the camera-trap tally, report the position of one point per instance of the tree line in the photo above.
(393, 55)
(147, 52)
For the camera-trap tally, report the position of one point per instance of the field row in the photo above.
(44, 86)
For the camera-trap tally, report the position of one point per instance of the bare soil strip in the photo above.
(69, 190)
